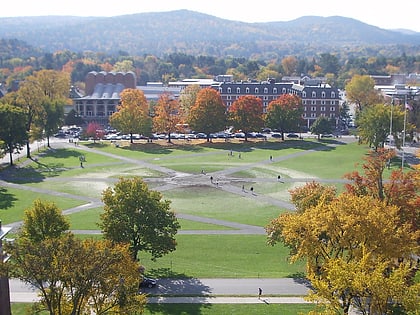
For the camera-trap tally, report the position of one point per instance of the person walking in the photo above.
(259, 293)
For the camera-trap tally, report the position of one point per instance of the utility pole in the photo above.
(4, 279)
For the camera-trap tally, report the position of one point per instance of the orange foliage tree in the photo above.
(246, 114)
(167, 115)
(208, 114)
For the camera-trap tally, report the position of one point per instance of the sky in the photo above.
(384, 14)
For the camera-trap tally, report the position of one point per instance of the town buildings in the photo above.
(103, 90)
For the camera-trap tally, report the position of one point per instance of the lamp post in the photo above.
(4, 279)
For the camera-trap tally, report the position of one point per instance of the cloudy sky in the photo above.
(384, 14)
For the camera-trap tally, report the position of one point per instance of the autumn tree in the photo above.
(77, 276)
(44, 220)
(289, 64)
(167, 115)
(360, 90)
(208, 113)
(137, 216)
(400, 189)
(342, 234)
(246, 114)
(359, 245)
(13, 134)
(132, 115)
(94, 131)
(285, 113)
(187, 99)
(373, 125)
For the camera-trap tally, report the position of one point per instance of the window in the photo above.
(220, 90)
(313, 109)
(283, 90)
(313, 115)
(275, 91)
(313, 94)
(332, 109)
(247, 90)
(323, 94)
(313, 102)
(304, 94)
(229, 90)
(322, 108)
(228, 97)
(256, 90)
(265, 90)
(323, 102)
(110, 113)
(332, 102)
(332, 94)
(238, 90)
(265, 98)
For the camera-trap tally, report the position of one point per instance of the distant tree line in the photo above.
(18, 60)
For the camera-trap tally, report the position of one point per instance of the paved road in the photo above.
(289, 289)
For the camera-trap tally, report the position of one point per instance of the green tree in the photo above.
(208, 113)
(12, 129)
(322, 125)
(44, 220)
(53, 118)
(285, 113)
(373, 125)
(132, 115)
(135, 215)
(246, 114)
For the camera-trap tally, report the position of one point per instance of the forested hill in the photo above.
(200, 34)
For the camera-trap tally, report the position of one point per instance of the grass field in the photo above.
(204, 255)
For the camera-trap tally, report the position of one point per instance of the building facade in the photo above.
(318, 99)
(103, 94)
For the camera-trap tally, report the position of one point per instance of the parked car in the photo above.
(148, 282)
(276, 135)
(292, 135)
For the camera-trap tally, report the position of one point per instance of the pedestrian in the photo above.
(239, 155)
(271, 157)
(211, 179)
(278, 178)
(259, 293)
(252, 190)
(243, 188)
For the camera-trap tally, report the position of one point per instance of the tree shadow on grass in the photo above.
(177, 284)
(6, 199)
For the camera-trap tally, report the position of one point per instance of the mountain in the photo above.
(190, 32)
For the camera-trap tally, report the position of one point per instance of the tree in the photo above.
(167, 115)
(132, 115)
(289, 65)
(72, 118)
(322, 125)
(53, 119)
(12, 129)
(30, 98)
(285, 114)
(208, 113)
(94, 131)
(135, 215)
(187, 99)
(345, 232)
(78, 276)
(246, 114)
(44, 220)
(401, 189)
(360, 90)
(359, 245)
(36, 93)
(373, 125)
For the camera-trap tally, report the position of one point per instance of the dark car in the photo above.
(292, 135)
(148, 282)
